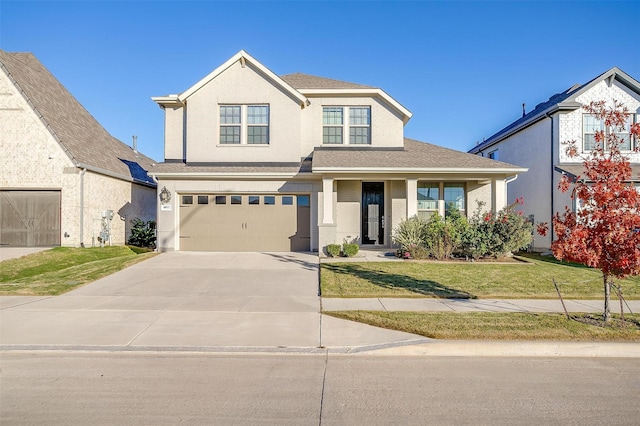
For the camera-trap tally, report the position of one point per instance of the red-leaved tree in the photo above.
(604, 232)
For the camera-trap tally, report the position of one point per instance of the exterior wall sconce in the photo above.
(165, 195)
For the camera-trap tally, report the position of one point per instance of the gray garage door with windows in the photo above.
(29, 218)
(244, 222)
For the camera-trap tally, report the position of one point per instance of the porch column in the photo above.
(499, 194)
(412, 197)
(442, 208)
(327, 201)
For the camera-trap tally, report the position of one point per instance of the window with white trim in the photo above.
(592, 124)
(454, 197)
(493, 155)
(428, 196)
(338, 121)
(244, 124)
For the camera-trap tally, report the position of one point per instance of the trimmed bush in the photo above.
(333, 250)
(350, 249)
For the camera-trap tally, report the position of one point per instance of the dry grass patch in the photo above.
(496, 326)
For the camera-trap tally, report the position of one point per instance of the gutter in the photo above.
(114, 175)
(562, 106)
(548, 115)
(82, 172)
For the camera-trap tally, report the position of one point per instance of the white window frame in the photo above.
(440, 204)
(244, 125)
(633, 141)
(346, 125)
(493, 155)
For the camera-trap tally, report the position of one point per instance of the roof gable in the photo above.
(560, 101)
(84, 140)
(243, 57)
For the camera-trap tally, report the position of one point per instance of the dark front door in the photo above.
(373, 213)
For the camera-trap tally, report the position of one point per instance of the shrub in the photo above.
(409, 233)
(333, 250)
(143, 234)
(444, 236)
(498, 234)
(350, 249)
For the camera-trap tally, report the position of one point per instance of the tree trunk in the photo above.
(607, 298)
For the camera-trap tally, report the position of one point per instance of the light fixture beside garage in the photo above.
(165, 195)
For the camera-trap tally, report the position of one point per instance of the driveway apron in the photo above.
(180, 299)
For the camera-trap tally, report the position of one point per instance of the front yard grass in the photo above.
(467, 280)
(61, 269)
(495, 326)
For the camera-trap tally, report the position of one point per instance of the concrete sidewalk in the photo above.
(472, 305)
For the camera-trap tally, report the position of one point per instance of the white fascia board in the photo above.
(360, 92)
(235, 58)
(222, 175)
(434, 170)
(169, 100)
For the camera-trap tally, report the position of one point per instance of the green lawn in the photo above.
(516, 280)
(61, 269)
(496, 326)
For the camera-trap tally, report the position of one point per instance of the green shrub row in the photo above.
(345, 249)
(485, 234)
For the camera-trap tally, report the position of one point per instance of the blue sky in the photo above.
(463, 68)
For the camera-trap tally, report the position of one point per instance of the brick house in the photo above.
(535, 141)
(61, 172)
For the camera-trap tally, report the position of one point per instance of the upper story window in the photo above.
(493, 155)
(244, 124)
(339, 121)
(591, 125)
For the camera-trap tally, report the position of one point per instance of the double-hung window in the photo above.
(428, 197)
(360, 125)
(332, 125)
(230, 124)
(244, 124)
(591, 125)
(354, 121)
(454, 197)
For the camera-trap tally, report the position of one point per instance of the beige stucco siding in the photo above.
(386, 127)
(348, 199)
(173, 133)
(242, 86)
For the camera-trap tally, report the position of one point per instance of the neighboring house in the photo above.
(260, 162)
(61, 173)
(537, 141)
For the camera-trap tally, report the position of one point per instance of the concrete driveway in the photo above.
(192, 301)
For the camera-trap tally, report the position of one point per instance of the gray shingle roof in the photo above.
(248, 168)
(565, 99)
(414, 155)
(78, 132)
(305, 81)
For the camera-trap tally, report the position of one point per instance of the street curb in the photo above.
(418, 347)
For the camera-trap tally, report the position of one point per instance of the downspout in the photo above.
(551, 180)
(512, 179)
(82, 172)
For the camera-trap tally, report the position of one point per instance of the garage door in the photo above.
(30, 218)
(233, 222)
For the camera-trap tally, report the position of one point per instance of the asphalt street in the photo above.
(99, 388)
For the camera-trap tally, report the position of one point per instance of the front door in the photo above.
(373, 213)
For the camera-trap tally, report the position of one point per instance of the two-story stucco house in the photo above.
(537, 141)
(260, 162)
(62, 175)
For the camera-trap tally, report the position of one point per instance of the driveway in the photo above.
(192, 301)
